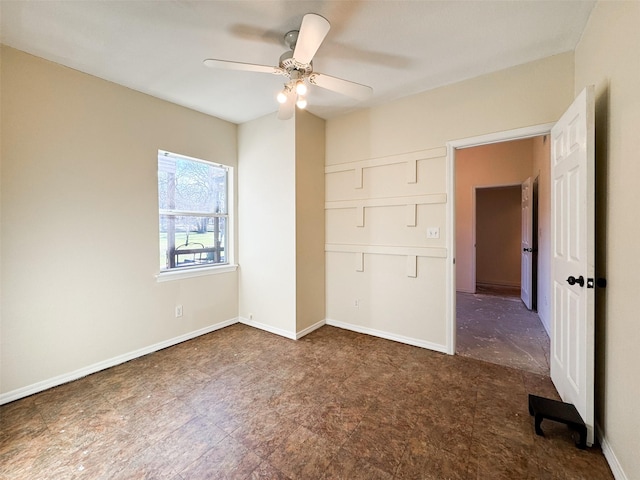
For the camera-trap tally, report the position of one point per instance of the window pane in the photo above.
(188, 241)
(191, 185)
(198, 189)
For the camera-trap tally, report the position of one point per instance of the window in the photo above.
(193, 199)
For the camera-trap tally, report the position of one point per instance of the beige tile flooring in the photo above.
(242, 403)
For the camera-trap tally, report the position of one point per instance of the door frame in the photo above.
(452, 146)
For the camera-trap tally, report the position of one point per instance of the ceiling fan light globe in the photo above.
(302, 103)
(282, 98)
(301, 88)
(290, 39)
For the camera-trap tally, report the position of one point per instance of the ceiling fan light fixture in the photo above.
(301, 87)
(301, 103)
(282, 97)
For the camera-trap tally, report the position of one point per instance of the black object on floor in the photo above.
(557, 411)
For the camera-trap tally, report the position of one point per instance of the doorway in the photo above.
(492, 323)
(497, 240)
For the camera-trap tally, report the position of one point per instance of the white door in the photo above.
(572, 257)
(526, 254)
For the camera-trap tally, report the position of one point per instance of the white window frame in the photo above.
(164, 275)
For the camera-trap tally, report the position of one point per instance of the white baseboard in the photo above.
(388, 336)
(465, 290)
(310, 329)
(498, 285)
(280, 331)
(268, 328)
(612, 460)
(112, 362)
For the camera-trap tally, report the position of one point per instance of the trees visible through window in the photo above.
(193, 208)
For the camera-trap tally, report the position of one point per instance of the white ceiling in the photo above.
(397, 47)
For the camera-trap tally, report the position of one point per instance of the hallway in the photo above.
(500, 330)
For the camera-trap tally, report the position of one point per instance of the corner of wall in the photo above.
(310, 222)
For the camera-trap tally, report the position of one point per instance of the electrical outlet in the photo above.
(433, 232)
(251, 316)
(178, 311)
(356, 303)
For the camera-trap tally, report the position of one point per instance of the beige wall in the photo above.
(80, 222)
(498, 164)
(498, 236)
(391, 302)
(310, 278)
(530, 94)
(267, 229)
(281, 223)
(607, 56)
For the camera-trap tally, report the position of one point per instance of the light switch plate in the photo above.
(433, 232)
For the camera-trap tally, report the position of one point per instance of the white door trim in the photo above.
(497, 137)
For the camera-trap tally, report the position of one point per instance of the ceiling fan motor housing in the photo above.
(289, 64)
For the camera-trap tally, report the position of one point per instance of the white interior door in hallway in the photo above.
(573, 257)
(526, 265)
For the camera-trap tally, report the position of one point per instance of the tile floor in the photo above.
(498, 328)
(242, 403)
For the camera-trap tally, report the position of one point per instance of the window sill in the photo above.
(168, 276)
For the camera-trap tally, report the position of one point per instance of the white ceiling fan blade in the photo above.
(247, 67)
(285, 112)
(344, 87)
(312, 32)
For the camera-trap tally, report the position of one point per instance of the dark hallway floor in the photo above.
(499, 329)
(245, 404)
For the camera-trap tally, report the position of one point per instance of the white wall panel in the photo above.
(388, 300)
(386, 226)
(387, 181)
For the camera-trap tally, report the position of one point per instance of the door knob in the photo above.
(527, 249)
(573, 280)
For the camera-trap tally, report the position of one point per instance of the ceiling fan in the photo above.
(296, 64)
